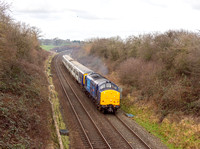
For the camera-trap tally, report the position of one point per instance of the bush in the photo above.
(164, 67)
(24, 106)
(139, 74)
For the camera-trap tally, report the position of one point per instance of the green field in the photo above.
(47, 47)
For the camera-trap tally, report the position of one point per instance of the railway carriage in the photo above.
(104, 92)
(77, 70)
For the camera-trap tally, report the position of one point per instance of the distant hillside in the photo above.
(25, 112)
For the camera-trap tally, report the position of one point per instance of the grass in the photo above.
(47, 47)
(56, 106)
(182, 134)
(61, 124)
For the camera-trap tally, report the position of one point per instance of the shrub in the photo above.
(137, 72)
(24, 106)
(163, 67)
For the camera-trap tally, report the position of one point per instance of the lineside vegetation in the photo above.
(159, 72)
(164, 67)
(25, 112)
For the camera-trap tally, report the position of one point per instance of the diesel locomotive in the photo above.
(105, 93)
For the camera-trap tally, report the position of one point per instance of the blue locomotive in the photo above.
(104, 92)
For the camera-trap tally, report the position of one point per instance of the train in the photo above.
(103, 92)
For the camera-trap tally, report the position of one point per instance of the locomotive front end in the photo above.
(110, 97)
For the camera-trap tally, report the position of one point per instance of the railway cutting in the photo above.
(91, 126)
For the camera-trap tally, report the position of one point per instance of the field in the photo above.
(47, 47)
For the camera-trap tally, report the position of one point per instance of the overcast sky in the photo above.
(84, 19)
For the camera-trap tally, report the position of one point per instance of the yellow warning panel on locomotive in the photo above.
(110, 97)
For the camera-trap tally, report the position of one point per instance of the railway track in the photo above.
(126, 132)
(93, 137)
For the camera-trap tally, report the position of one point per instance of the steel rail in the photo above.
(66, 94)
(139, 138)
(98, 130)
(118, 132)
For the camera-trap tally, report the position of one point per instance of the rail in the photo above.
(62, 78)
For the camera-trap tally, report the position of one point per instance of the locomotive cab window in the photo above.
(102, 86)
(114, 87)
(108, 85)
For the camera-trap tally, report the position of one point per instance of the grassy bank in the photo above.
(56, 105)
(176, 131)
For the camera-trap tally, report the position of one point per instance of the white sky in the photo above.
(84, 19)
